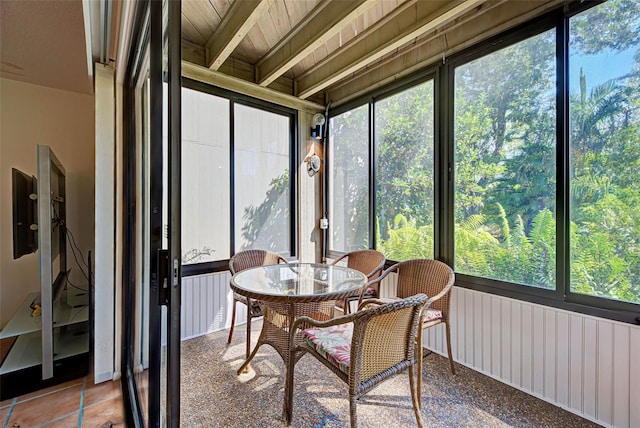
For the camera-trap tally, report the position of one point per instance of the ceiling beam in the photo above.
(380, 40)
(326, 20)
(216, 78)
(236, 23)
(468, 30)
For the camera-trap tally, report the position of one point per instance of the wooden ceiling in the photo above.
(316, 50)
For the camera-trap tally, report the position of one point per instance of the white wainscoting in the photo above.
(586, 365)
(206, 305)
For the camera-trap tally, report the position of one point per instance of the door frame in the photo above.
(149, 31)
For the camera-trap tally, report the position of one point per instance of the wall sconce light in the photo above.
(313, 164)
(316, 132)
(313, 161)
(316, 126)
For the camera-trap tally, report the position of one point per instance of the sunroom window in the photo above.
(604, 83)
(505, 164)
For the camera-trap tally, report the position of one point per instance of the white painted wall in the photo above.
(31, 115)
(105, 233)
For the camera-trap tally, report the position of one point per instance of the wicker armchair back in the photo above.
(239, 262)
(370, 263)
(433, 278)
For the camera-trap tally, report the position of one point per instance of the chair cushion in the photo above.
(432, 314)
(370, 293)
(333, 343)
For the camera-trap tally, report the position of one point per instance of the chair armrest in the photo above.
(339, 259)
(381, 277)
(371, 302)
(375, 281)
(314, 322)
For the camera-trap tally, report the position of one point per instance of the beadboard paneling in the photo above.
(206, 305)
(578, 362)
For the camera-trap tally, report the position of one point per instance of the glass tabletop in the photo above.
(297, 280)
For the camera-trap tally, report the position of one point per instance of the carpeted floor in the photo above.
(212, 395)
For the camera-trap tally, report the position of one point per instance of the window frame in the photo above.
(235, 98)
(443, 74)
(492, 45)
(415, 79)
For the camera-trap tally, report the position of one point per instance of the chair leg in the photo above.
(233, 320)
(248, 350)
(415, 394)
(448, 333)
(353, 416)
(419, 366)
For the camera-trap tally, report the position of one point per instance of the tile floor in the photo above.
(77, 403)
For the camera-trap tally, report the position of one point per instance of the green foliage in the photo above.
(616, 26)
(406, 240)
(404, 146)
(505, 165)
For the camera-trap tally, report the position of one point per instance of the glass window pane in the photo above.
(262, 185)
(205, 177)
(404, 140)
(349, 180)
(505, 164)
(604, 84)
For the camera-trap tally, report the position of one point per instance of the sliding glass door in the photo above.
(152, 270)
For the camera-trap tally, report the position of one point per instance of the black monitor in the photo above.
(25, 232)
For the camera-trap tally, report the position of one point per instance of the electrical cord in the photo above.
(72, 241)
(75, 250)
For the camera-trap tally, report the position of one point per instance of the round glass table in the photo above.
(289, 291)
(297, 282)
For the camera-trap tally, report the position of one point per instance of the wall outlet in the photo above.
(324, 223)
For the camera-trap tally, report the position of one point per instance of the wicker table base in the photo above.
(278, 318)
(289, 291)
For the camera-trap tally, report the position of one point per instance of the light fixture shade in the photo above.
(313, 164)
(316, 129)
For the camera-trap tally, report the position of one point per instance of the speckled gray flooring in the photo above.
(212, 395)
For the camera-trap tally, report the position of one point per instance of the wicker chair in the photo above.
(370, 263)
(379, 341)
(434, 279)
(239, 262)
